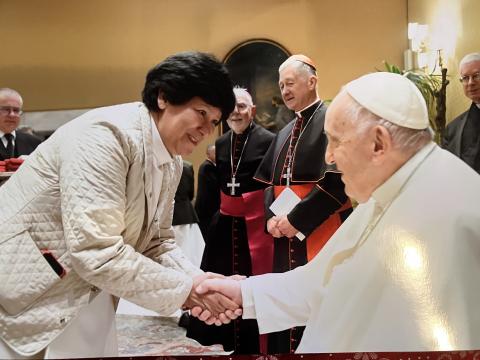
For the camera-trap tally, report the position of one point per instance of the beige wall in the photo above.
(456, 24)
(66, 54)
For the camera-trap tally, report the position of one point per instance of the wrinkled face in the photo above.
(297, 88)
(470, 73)
(350, 152)
(183, 127)
(10, 109)
(242, 115)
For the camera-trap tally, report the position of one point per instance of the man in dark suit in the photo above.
(462, 136)
(13, 143)
(207, 201)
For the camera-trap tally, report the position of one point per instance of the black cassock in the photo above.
(207, 201)
(227, 248)
(462, 137)
(325, 202)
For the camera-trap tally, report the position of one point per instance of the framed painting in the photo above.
(253, 64)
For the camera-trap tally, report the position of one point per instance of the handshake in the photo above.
(215, 298)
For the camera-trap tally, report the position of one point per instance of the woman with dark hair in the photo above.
(89, 214)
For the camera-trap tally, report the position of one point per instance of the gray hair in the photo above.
(210, 147)
(299, 66)
(7, 91)
(469, 58)
(404, 139)
(238, 90)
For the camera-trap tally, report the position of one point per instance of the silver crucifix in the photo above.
(288, 175)
(232, 185)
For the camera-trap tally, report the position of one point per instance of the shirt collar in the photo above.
(386, 192)
(160, 152)
(13, 133)
(299, 113)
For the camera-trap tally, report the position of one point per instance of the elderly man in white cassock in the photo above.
(402, 273)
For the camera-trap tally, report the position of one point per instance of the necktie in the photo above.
(10, 149)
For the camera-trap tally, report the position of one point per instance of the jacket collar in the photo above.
(160, 152)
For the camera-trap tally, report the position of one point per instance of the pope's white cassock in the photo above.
(401, 274)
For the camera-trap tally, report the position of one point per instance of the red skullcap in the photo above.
(304, 59)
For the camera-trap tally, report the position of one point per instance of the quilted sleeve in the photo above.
(93, 169)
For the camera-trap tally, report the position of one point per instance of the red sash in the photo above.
(319, 237)
(250, 206)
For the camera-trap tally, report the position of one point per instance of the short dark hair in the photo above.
(183, 76)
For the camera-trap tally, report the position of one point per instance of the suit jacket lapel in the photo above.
(3, 151)
(458, 135)
(20, 145)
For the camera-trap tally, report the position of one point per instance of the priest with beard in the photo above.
(236, 243)
(295, 163)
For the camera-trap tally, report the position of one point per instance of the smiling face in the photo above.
(183, 127)
(351, 153)
(243, 114)
(10, 105)
(471, 87)
(297, 87)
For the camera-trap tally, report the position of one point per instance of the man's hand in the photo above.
(212, 308)
(272, 227)
(226, 286)
(285, 227)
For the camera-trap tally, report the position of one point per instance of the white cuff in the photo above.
(247, 300)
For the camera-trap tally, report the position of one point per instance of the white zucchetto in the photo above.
(392, 97)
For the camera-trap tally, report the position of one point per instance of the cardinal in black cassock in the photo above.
(296, 159)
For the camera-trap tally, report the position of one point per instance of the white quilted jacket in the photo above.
(85, 195)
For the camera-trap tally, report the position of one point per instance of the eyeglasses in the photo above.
(466, 78)
(6, 110)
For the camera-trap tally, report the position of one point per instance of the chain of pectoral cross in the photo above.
(233, 184)
(292, 148)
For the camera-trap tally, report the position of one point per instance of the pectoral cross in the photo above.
(232, 185)
(288, 175)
